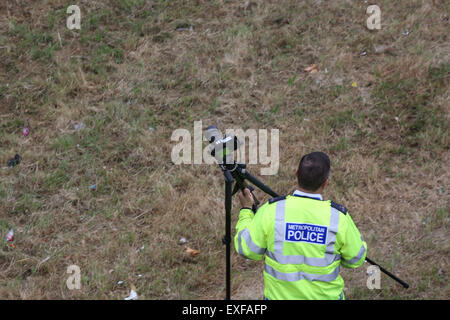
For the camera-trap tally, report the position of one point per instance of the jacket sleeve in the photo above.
(354, 248)
(250, 240)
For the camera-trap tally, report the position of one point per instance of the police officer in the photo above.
(305, 239)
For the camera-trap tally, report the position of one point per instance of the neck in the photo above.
(309, 191)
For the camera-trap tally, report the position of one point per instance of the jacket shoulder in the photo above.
(339, 207)
(272, 200)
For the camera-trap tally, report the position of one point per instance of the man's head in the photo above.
(313, 171)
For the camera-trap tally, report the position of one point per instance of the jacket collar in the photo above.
(316, 196)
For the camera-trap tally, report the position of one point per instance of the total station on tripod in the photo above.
(222, 149)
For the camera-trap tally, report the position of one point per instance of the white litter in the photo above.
(80, 126)
(133, 296)
(10, 235)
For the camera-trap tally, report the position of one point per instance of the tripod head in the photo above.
(222, 149)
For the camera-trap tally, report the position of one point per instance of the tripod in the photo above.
(236, 172)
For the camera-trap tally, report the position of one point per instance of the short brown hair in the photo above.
(313, 170)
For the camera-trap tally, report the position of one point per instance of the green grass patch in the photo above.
(37, 41)
(58, 178)
(64, 143)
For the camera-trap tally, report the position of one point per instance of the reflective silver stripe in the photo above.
(300, 259)
(241, 252)
(245, 234)
(300, 275)
(278, 256)
(357, 257)
(279, 228)
(332, 231)
(341, 296)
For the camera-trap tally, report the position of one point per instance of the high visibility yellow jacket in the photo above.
(305, 241)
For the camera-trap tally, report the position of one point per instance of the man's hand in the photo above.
(246, 198)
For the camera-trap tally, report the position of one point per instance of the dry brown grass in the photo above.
(241, 66)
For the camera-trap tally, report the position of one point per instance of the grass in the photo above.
(136, 65)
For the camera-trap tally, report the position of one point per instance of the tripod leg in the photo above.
(259, 184)
(227, 239)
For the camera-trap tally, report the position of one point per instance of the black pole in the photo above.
(403, 283)
(227, 239)
(259, 184)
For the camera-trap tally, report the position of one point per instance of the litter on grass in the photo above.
(10, 236)
(192, 252)
(133, 294)
(311, 69)
(80, 126)
(14, 161)
(26, 129)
